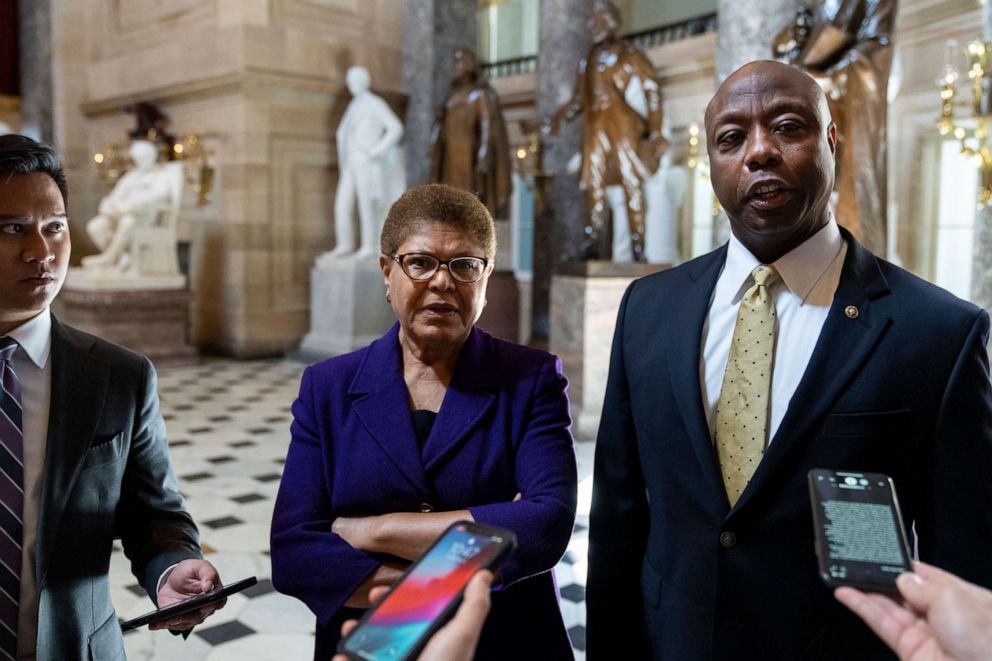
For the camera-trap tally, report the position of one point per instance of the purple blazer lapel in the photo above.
(381, 402)
(470, 395)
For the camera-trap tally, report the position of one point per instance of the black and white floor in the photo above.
(228, 425)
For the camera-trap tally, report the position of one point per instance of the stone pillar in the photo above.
(981, 268)
(433, 29)
(35, 18)
(747, 28)
(564, 40)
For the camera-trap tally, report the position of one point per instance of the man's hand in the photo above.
(457, 640)
(188, 579)
(943, 618)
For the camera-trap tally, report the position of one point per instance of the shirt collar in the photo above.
(800, 268)
(35, 337)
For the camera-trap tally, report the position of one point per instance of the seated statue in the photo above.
(136, 225)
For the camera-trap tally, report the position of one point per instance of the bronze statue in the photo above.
(621, 142)
(469, 148)
(848, 49)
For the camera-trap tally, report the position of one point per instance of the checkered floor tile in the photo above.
(228, 425)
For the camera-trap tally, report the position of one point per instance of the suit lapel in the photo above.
(381, 402)
(470, 395)
(685, 350)
(843, 346)
(79, 388)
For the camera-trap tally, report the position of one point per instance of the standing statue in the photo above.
(469, 148)
(370, 164)
(620, 102)
(846, 45)
(136, 225)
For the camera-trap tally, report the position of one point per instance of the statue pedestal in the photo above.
(585, 297)
(151, 322)
(348, 307)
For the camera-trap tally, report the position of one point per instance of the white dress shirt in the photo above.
(809, 277)
(34, 371)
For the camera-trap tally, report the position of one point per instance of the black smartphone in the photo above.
(860, 538)
(428, 593)
(187, 605)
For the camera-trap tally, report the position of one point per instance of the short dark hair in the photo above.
(20, 154)
(438, 203)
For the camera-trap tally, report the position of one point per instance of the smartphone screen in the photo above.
(860, 540)
(426, 593)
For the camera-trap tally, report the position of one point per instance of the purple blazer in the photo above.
(503, 429)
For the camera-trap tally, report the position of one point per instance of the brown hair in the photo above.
(438, 203)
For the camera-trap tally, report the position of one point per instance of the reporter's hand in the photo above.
(188, 579)
(456, 640)
(943, 617)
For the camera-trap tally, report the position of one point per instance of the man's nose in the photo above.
(762, 150)
(37, 248)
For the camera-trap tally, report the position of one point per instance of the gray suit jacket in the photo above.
(107, 475)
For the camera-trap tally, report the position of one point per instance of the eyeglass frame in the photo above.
(398, 258)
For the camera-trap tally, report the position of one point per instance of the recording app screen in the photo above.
(400, 620)
(861, 530)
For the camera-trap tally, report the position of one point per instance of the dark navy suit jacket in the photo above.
(503, 429)
(902, 388)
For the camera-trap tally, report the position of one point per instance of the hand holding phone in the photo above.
(860, 539)
(195, 602)
(427, 594)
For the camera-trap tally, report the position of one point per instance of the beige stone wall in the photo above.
(263, 82)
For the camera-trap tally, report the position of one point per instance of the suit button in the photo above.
(426, 507)
(728, 539)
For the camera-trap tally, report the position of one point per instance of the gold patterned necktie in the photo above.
(745, 397)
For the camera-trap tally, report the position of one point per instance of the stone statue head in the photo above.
(358, 80)
(143, 153)
(604, 20)
(464, 65)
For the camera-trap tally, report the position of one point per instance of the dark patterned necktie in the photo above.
(11, 497)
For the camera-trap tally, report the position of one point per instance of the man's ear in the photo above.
(832, 138)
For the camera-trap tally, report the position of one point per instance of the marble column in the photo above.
(981, 268)
(747, 28)
(564, 40)
(433, 29)
(35, 19)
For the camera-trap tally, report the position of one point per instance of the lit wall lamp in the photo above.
(971, 129)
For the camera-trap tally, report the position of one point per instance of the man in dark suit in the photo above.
(790, 348)
(83, 455)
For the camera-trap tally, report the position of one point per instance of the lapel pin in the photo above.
(851, 311)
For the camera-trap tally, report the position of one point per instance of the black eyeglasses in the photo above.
(419, 266)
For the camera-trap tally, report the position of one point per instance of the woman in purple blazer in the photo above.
(434, 422)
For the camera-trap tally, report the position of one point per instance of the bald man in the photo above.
(701, 542)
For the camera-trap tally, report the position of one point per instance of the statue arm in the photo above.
(642, 66)
(487, 108)
(392, 129)
(340, 140)
(873, 34)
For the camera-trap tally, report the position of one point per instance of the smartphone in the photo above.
(428, 593)
(186, 605)
(860, 538)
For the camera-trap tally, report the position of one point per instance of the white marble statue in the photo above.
(370, 163)
(664, 194)
(135, 227)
